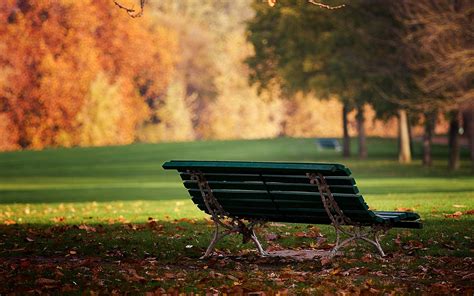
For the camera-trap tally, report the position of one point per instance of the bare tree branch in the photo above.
(322, 5)
(438, 38)
(131, 11)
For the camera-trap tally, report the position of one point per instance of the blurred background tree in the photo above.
(437, 39)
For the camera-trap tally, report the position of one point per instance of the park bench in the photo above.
(242, 195)
(328, 144)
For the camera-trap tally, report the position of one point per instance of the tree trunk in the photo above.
(410, 136)
(361, 132)
(430, 120)
(470, 132)
(346, 141)
(404, 155)
(454, 145)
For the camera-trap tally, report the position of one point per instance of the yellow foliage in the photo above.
(101, 113)
(242, 115)
(174, 117)
(8, 134)
(310, 117)
(239, 112)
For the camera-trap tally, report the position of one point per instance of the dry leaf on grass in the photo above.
(46, 282)
(9, 222)
(404, 209)
(455, 215)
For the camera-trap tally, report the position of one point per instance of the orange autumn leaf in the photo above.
(455, 215)
(402, 209)
(9, 222)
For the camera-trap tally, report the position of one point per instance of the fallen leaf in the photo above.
(300, 234)
(366, 258)
(325, 261)
(58, 219)
(169, 275)
(455, 215)
(275, 224)
(87, 228)
(133, 276)
(271, 236)
(45, 281)
(233, 278)
(459, 206)
(404, 209)
(9, 222)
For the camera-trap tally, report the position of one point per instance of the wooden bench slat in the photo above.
(329, 169)
(271, 186)
(298, 204)
(331, 180)
(297, 179)
(407, 215)
(284, 196)
(225, 177)
(237, 202)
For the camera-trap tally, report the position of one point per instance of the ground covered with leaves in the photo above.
(110, 220)
(162, 257)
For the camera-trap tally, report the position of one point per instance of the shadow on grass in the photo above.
(163, 256)
(170, 239)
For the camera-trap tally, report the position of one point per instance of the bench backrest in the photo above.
(273, 191)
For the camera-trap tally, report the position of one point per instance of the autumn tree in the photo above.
(53, 54)
(45, 64)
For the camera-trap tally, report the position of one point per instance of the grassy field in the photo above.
(60, 207)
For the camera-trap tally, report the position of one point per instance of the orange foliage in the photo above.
(52, 52)
(141, 54)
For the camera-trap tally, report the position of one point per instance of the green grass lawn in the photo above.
(95, 204)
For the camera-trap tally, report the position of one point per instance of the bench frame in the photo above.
(220, 218)
(234, 225)
(338, 219)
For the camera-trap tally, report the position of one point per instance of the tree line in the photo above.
(84, 73)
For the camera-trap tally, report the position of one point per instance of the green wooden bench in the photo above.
(242, 195)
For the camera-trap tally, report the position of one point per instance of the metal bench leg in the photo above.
(338, 219)
(260, 249)
(216, 237)
(361, 233)
(376, 241)
(238, 228)
(219, 216)
(338, 246)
